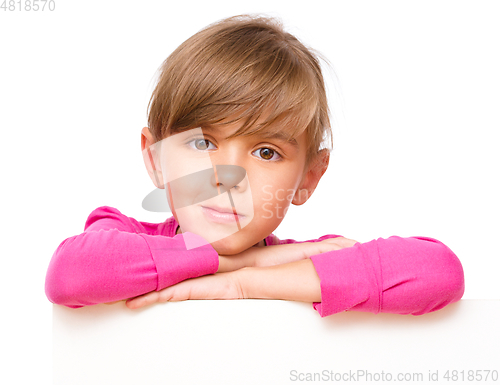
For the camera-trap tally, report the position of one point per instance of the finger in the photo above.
(350, 242)
(338, 243)
(346, 242)
(143, 300)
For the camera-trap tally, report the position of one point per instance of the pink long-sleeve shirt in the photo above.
(118, 257)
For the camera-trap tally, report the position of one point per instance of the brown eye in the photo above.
(266, 153)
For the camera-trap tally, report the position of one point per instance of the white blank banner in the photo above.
(271, 342)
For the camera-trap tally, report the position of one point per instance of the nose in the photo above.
(228, 176)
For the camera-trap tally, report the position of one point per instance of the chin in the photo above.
(229, 246)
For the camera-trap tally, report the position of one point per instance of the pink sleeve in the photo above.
(413, 275)
(112, 260)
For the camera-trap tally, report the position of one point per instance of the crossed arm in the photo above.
(273, 272)
(116, 260)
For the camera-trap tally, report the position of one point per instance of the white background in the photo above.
(416, 132)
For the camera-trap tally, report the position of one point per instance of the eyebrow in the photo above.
(282, 137)
(275, 135)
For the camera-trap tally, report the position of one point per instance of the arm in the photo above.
(296, 281)
(396, 275)
(277, 272)
(414, 275)
(115, 259)
(112, 260)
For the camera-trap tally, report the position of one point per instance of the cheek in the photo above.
(273, 191)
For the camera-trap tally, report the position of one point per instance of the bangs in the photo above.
(271, 105)
(249, 86)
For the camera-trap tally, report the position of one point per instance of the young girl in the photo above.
(237, 125)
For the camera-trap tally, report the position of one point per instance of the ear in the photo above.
(311, 177)
(151, 158)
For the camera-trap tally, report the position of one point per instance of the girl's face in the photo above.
(255, 177)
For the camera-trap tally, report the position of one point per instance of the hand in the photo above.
(336, 243)
(216, 286)
(280, 254)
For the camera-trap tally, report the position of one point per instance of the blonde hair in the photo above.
(246, 67)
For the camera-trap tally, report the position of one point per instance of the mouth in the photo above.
(221, 214)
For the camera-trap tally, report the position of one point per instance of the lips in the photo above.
(224, 210)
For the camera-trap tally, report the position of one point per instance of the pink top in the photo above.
(117, 257)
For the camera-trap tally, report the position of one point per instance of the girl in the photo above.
(236, 132)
